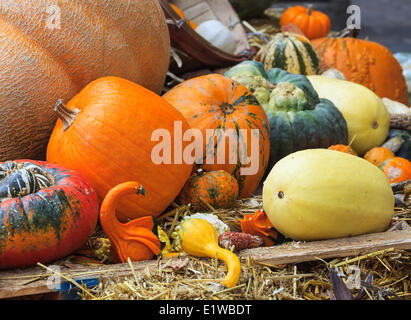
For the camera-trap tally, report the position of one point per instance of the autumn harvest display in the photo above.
(109, 157)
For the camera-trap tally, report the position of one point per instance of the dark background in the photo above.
(387, 22)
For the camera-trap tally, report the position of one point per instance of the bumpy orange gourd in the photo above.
(258, 224)
(108, 133)
(378, 155)
(364, 62)
(314, 24)
(51, 49)
(397, 169)
(343, 148)
(229, 118)
(199, 238)
(217, 188)
(135, 239)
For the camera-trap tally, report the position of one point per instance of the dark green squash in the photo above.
(298, 118)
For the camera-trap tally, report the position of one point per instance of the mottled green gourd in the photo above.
(298, 118)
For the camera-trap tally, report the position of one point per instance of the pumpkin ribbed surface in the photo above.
(364, 62)
(220, 108)
(291, 52)
(314, 24)
(111, 140)
(47, 56)
(54, 213)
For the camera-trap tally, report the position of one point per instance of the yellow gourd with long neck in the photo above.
(200, 239)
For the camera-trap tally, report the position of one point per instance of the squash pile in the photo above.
(327, 146)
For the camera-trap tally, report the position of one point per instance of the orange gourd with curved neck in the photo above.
(134, 239)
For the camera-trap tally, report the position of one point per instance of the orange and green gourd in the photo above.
(214, 103)
(216, 188)
(46, 212)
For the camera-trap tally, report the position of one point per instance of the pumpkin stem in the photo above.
(227, 108)
(310, 9)
(66, 115)
(134, 239)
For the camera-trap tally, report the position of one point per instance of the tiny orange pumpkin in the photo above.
(314, 24)
(378, 155)
(343, 148)
(396, 169)
(217, 188)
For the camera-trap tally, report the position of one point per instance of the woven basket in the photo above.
(193, 51)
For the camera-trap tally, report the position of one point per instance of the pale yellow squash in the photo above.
(368, 120)
(323, 194)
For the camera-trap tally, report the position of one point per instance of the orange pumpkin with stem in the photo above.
(397, 169)
(365, 62)
(230, 112)
(314, 24)
(105, 133)
(378, 155)
(43, 60)
(134, 239)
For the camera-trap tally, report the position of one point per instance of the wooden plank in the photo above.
(16, 283)
(310, 251)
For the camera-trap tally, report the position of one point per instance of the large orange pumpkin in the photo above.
(364, 62)
(107, 133)
(224, 106)
(52, 49)
(314, 24)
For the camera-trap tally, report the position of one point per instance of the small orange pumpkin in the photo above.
(378, 155)
(397, 169)
(343, 148)
(314, 24)
(217, 188)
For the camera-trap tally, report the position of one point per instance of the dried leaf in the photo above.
(178, 264)
(341, 292)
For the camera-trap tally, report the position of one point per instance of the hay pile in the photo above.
(187, 277)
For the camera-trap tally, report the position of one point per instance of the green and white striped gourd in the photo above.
(291, 52)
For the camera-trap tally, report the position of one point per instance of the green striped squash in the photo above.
(291, 52)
